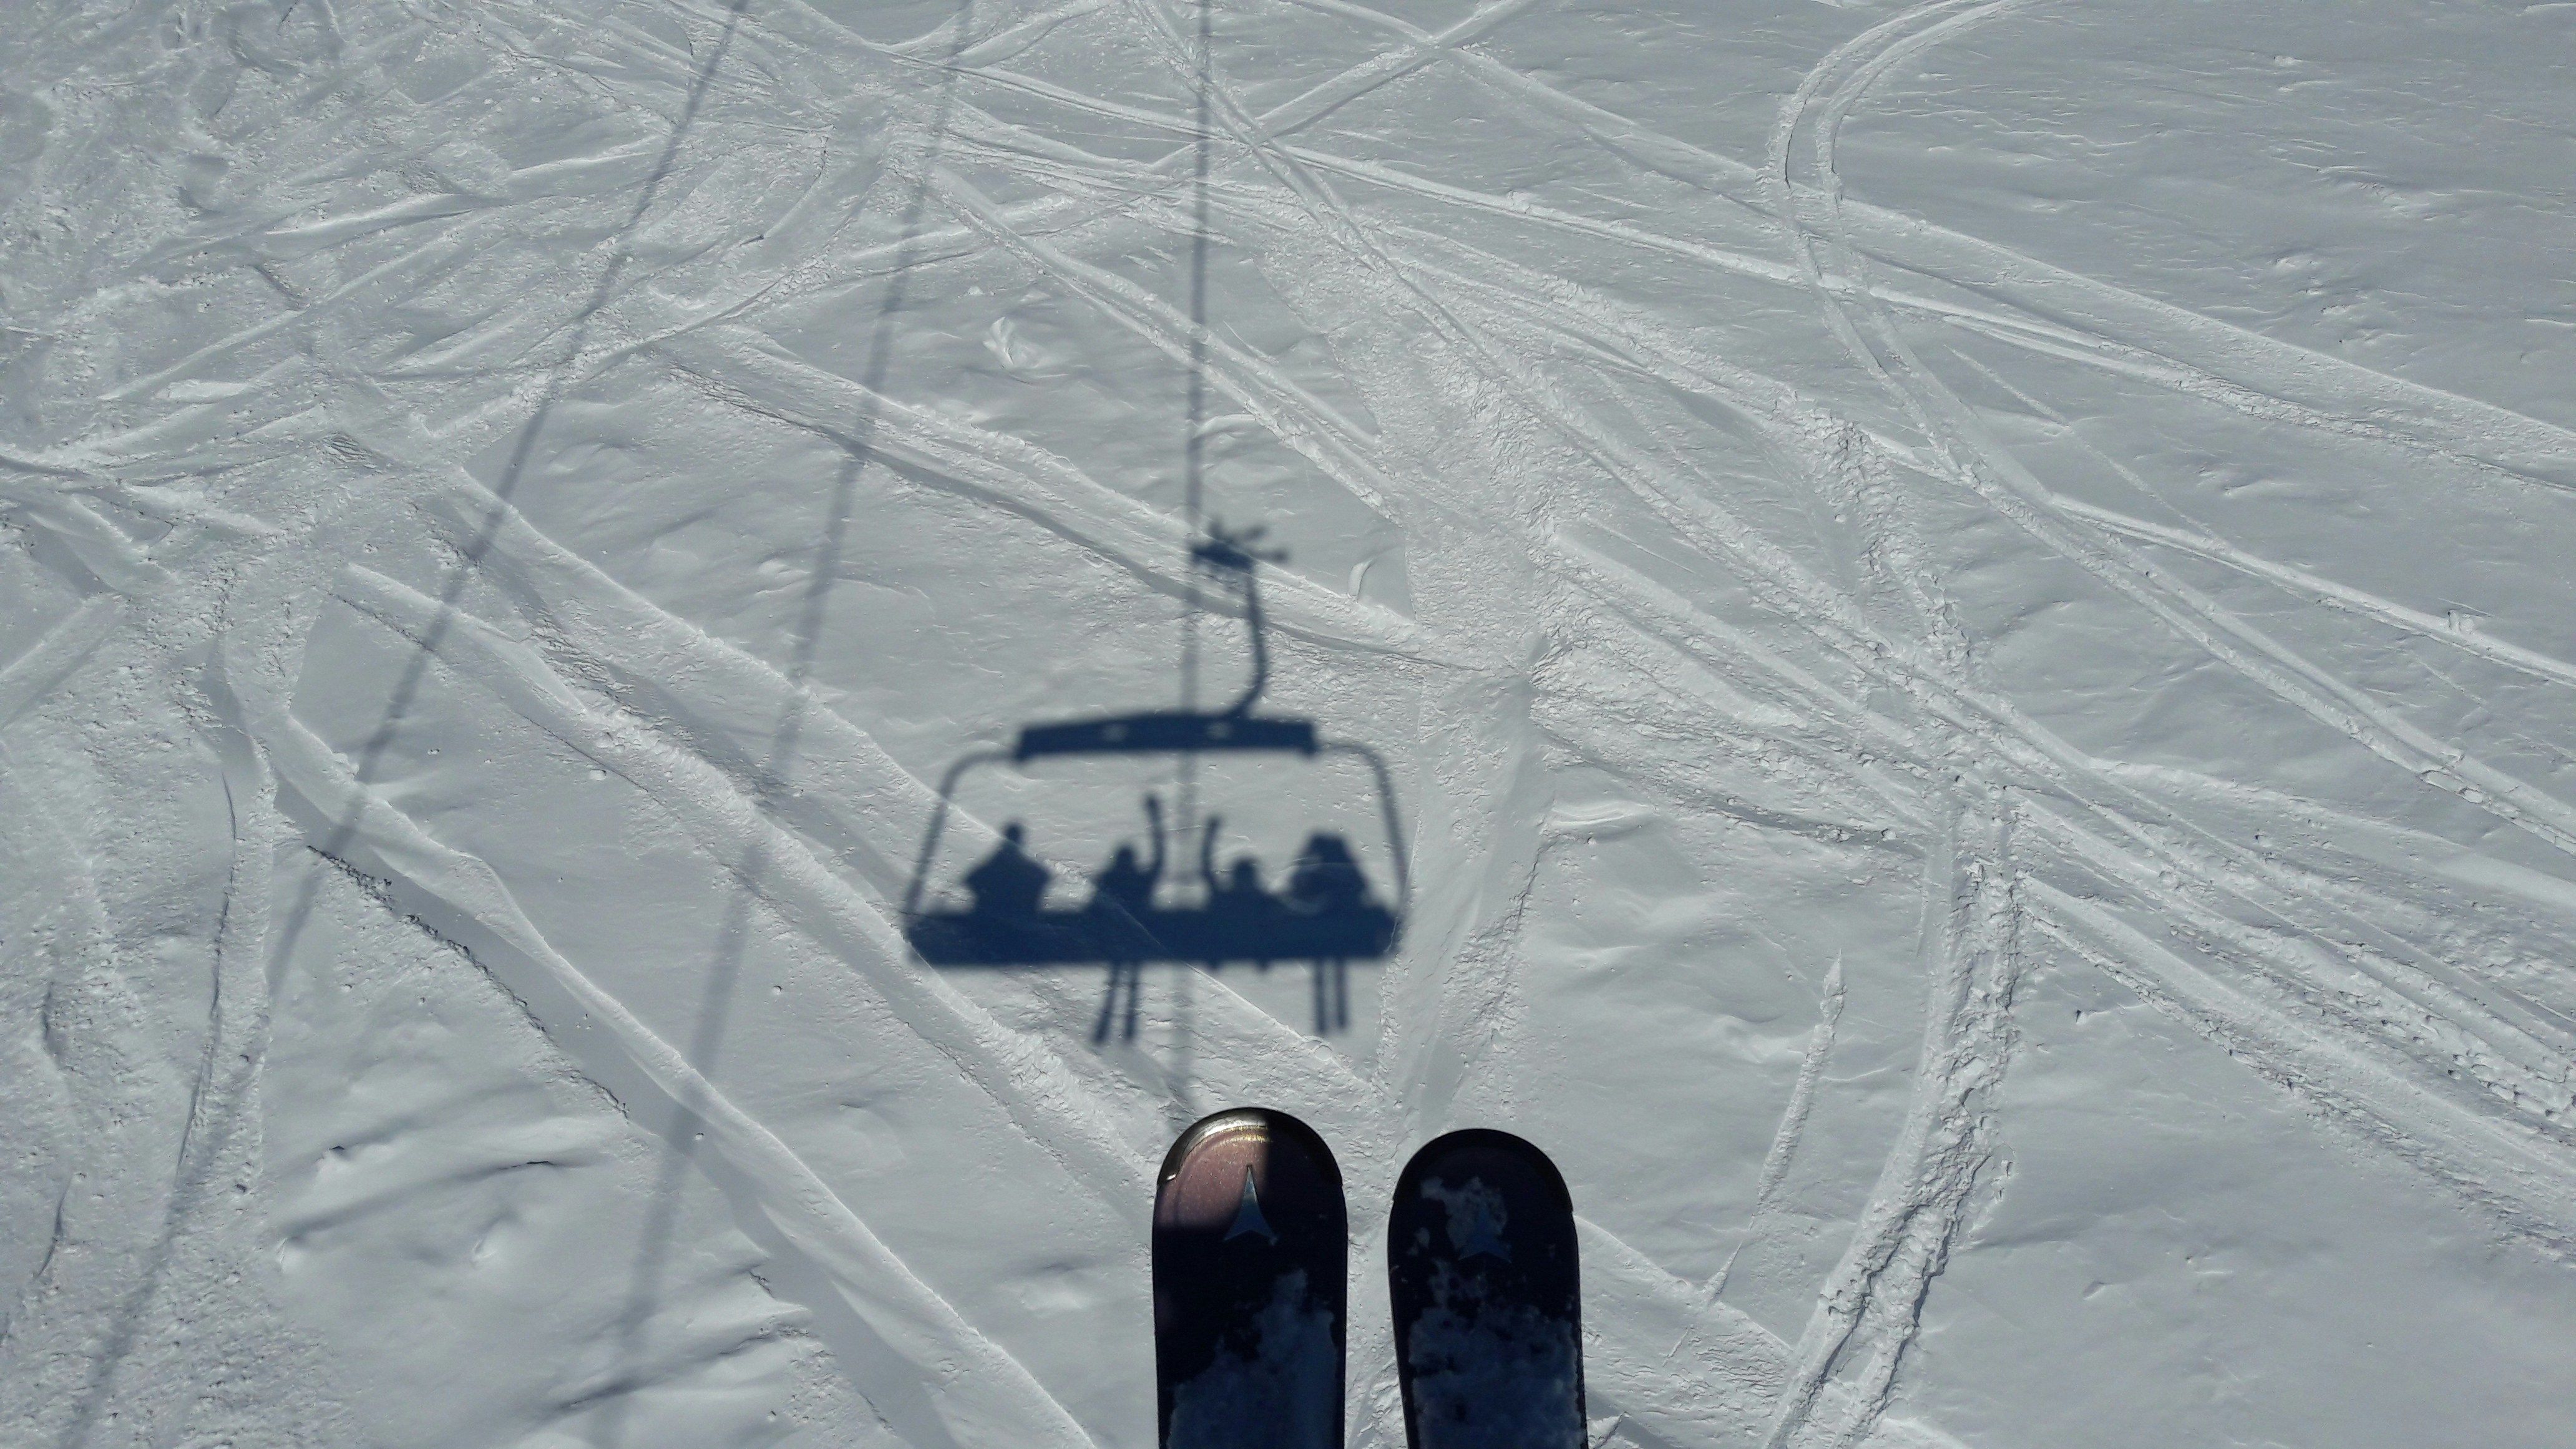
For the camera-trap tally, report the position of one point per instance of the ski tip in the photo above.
(1251, 1249)
(1484, 1280)
(1470, 1145)
(1256, 1122)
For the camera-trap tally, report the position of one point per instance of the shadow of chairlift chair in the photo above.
(1338, 920)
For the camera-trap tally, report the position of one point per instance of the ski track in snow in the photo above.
(315, 454)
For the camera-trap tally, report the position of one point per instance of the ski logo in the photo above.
(1247, 1215)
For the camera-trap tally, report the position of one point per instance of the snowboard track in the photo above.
(1867, 721)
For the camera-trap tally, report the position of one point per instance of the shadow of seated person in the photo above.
(1122, 897)
(1242, 914)
(1008, 883)
(1327, 880)
(1003, 919)
(1329, 901)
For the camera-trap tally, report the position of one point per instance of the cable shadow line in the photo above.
(190, 1179)
(1193, 499)
(654, 1246)
(460, 573)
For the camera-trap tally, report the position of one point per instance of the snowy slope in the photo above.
(1968, 606)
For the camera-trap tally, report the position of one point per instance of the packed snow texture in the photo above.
(1968, 603)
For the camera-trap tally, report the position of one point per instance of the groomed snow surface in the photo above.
(1969, 607)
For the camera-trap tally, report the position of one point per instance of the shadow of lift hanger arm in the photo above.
(1232, 553)
(1236, 728)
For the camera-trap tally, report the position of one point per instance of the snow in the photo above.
(1967, 605)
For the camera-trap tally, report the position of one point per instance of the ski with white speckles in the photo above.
(1482, 1272)
(1251, 1263)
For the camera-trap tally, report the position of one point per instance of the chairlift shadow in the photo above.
(1326, 911)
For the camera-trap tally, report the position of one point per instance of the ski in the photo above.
(1251, 1257)
(1481, 1269)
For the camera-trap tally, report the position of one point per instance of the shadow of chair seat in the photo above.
(1363, 932)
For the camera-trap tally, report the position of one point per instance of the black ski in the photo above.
(1488, 1328)
(1251, 1259)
